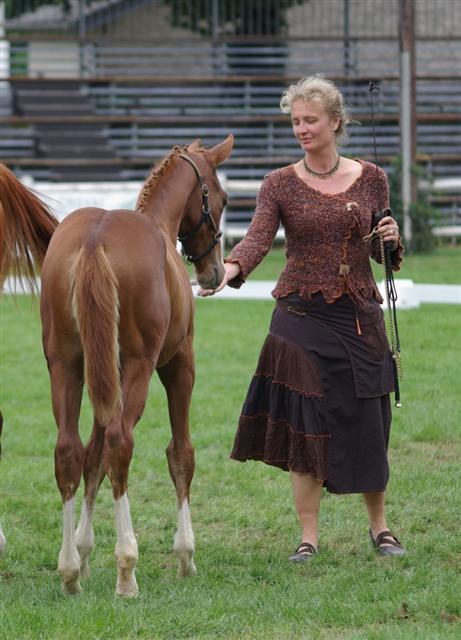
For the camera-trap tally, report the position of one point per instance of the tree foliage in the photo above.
(251, 17)
(15, 8)
(422, 214)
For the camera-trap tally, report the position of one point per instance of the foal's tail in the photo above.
(26, 227)
(95, 304)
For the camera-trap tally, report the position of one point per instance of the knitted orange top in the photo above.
(324, 234)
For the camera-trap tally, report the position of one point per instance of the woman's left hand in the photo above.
(389, 230)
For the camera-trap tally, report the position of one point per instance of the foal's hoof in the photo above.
(127, 589)
(186, 566)
(70, 580)
(71, 587)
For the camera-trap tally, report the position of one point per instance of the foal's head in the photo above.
(199, 230)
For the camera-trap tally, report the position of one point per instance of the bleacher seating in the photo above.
(101, 58)
(17, 142)
(138, 120)
(254, 96)
(272, 137)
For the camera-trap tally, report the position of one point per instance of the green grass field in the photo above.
(243, 517)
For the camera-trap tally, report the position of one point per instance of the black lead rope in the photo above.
(389, 283)
(391, 299)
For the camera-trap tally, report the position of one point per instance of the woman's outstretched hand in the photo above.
(231, 271)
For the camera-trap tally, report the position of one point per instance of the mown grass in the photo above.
(243, 517)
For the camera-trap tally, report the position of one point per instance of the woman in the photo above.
(318, 405)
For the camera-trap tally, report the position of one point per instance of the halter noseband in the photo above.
(205, 217)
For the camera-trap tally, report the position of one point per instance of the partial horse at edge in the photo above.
(26, 227)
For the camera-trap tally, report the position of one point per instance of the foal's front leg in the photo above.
(178, 379)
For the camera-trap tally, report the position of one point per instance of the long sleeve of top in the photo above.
(260, 235)
(324, 233)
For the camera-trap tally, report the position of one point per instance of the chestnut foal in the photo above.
(116, 304)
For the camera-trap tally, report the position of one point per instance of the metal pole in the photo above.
(407, 110)
(347, 62)
(2, 19)
(5, 71)
(4, 46)
(215, 18)
(81, 35)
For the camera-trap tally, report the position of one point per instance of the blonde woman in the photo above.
(318, 405)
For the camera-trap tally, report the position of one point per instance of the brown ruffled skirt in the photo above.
(319, 399)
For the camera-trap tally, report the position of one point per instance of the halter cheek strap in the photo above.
(205, 217)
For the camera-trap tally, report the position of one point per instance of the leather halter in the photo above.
(205, 217)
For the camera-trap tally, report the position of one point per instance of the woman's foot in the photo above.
(386, 544)
(304, 552)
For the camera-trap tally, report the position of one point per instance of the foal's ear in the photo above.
(221, 151)
(194, 146)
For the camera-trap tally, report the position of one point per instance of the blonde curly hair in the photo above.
(318, 89)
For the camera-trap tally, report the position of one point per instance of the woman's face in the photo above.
(312, 126)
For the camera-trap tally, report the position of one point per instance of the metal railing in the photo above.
(92, 59)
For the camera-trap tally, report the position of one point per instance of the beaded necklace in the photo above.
(325, 174)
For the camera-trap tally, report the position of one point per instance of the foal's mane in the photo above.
(157, 172)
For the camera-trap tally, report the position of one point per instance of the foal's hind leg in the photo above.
(93, 474)
(117, 455)
(66, 390)
(178, 379)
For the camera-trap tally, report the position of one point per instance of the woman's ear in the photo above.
(335, 124)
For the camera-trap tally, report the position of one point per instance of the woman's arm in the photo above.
(249, 252)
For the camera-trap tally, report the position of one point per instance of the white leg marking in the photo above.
(126, 549)
(69, 559)
(2, 540)
(84, 538)
(184, 543)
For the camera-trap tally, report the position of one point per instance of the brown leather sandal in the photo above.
(304, 552)
(386, 544)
